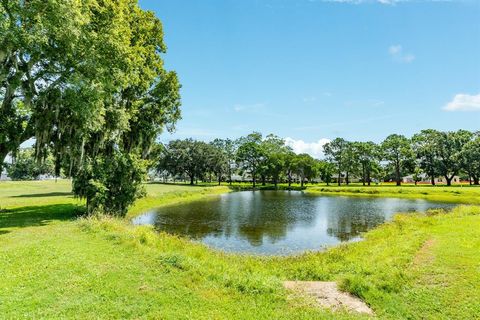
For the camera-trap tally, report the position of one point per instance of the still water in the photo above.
(278, 222)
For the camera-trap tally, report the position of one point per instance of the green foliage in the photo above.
(399, 153)
(111, 184)
(470, 158)
(326, 170)
(417, 175)
(335, 153)
(250, 154)
(425, 145)
(270, 160)
(305, 167)
(226, 151)
(368, 156)
(192, 158)
(86, 79)
(275, 153)
(449, 147)
(26, 167)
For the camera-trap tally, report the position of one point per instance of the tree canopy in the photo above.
(268, 158)
(86, 80)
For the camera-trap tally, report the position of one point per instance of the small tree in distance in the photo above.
(398, 152)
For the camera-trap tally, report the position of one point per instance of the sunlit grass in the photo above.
(54, 265)
(457, 193)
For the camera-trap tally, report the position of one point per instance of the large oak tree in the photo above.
(86, 80)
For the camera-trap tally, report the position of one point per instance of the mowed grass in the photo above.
(55, 265)
(461, 193)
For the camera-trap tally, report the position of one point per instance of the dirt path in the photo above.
(328, 295)
(425, 255)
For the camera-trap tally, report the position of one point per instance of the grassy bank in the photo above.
(45, 193)
(53, 265)
(457, 194)
(164, 194)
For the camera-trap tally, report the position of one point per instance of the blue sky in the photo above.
(312, 69)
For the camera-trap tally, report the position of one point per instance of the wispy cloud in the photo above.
(315, 149)
(344, 123)
(251, 108)
(377, 103)
(464, 102)
(397, 53)
(309, 99)
(364, 103)
(319, 96)
(258, 109)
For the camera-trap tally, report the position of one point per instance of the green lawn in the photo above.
(457, 193)
(55, 265)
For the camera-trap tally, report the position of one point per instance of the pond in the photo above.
(278, 222)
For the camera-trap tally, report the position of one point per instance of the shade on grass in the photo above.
(53, 265)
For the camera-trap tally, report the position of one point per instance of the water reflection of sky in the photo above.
(278, 222)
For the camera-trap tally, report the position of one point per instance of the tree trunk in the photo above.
(263, 180)
(368, 178)
(3, 156)
(364, 171)
(449, 180)
(289, 179)
(399, 182)
(301, 182)
(192, 179)
(219, 179)
(476, 181)
(432, 179)
(253, 180)
(347, 181)
(339, 178)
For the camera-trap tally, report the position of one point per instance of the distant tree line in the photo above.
(429, 153)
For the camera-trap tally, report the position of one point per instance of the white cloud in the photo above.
(315, 149)
(249, 107)
(464, 102)
(364, 103)
(395, 49)
(397, 54)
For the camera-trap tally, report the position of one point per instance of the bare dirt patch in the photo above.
(328, 295)
(424, 255)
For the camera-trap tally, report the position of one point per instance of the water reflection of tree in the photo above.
(350, 219)
(268, 216)
(250, 216)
